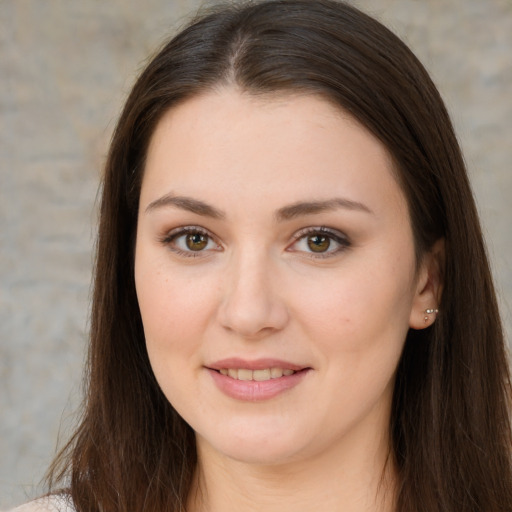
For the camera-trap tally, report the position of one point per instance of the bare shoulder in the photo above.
(47, 504)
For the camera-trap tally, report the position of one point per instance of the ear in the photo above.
(429, 287)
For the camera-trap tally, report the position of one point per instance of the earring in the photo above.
(430, 312)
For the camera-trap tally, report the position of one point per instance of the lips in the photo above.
(257, 375)
(256, 380)
(254, 364)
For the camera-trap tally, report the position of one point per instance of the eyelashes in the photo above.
(190, 241)
(319, 242)
(314, 242)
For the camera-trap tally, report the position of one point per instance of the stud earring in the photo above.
(430, 312)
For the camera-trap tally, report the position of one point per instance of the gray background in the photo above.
(65, 68)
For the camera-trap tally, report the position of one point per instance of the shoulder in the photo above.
(47, 504)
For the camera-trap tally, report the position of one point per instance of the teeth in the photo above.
(261, 374)
(275, 373)
(244, 374)
(257, 375)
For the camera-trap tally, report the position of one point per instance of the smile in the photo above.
(255, 381)
(256, 375)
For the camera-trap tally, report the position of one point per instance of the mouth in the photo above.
(256, 380)
(257, 375)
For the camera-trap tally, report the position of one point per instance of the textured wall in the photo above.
(65, 67)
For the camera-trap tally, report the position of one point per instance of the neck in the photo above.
(357, 476)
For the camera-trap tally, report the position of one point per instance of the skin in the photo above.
(258, 290)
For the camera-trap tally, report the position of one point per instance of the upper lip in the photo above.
(255, 364)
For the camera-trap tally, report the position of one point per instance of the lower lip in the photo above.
(256, 391)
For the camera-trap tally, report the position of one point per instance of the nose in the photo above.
(252, 306)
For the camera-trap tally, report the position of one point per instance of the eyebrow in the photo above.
(186, 203)
(286, 213)
(311, 207)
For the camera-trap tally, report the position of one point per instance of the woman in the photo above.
(292, 306)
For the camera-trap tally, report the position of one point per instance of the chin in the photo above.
(261, 447)
(256, 454)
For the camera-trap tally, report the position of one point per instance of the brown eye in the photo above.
(318, 243)
(191, 241)
(196, 241)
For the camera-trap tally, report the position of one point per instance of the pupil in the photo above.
(319, 243)
(196, 241)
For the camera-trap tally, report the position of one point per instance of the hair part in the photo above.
(450, 429)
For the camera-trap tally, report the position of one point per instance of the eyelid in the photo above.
(179, 231)
(337, 236)
(340, 238)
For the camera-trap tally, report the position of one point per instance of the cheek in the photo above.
(359, 318)
(174, 307)
(174, 313)
(358, 321)
(355, 304)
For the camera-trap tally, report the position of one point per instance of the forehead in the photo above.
(299, 145)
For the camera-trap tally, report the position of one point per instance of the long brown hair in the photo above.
(451, 437)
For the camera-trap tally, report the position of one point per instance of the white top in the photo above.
(46, 504)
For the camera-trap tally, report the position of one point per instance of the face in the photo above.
(276, 274)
